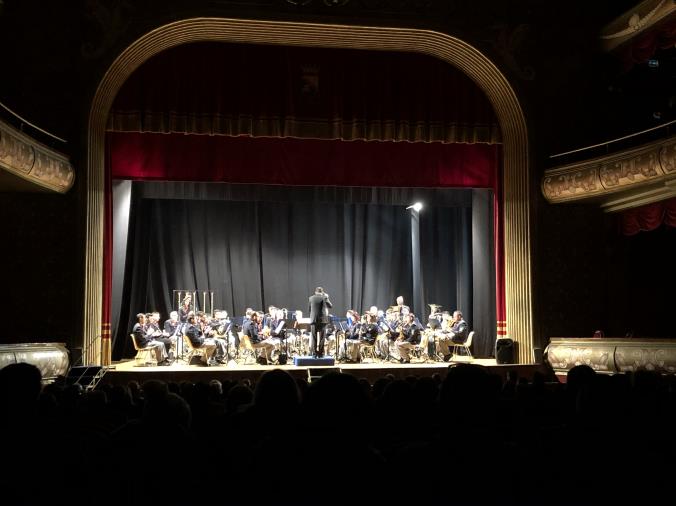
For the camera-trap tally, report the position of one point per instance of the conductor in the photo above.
(319, 318)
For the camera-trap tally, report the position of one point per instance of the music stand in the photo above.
(343, 329)
(303, 324)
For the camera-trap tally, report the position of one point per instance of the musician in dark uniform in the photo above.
(172, 327)
(184, 310)
(145, 339)
(153, 329)
(402, 309)
(457, 333)
(193, 331)
(319, 305)
(409, 336)
(250, 329)
(364, 333)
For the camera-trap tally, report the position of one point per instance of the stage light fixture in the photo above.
(653, 64)
(416, 207)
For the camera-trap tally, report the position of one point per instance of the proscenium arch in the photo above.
(442, 46)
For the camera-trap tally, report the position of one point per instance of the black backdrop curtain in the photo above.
(263, 245)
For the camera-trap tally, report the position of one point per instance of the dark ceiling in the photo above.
(52, 51)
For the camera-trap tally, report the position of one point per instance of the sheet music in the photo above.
(279, 327)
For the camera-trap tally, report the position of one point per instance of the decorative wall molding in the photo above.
(28, 159)
(620, 180)
(645, 15)
(612, 355)
(51, 358)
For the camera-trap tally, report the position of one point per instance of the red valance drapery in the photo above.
(648, 217)
(301, 162)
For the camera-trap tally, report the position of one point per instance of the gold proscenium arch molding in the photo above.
(442, 46)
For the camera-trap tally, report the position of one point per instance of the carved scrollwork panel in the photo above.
(627, 172)
(51, 358)
(565, 185)
(34, 162)
(612, 355)
(630, 170)
(52, 170)
(668, 157)
(14, 153)
(565, 357)
(633, 358)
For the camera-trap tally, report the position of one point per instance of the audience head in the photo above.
(276, 391)
(20, 387)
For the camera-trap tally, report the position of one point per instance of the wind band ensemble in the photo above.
(393, 335)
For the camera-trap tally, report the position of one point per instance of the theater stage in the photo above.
(125, 371)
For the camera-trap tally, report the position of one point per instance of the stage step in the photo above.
(87, 376)
(312, 361)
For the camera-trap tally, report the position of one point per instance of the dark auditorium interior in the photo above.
(257, 149)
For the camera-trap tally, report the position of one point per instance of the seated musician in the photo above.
(250, 329)
(270, 316)
(209, 330)
(153, 328)
(226, 329)
(402, 309)
(353, 318)
(273, 330)
(221, 323)
(172, 326)
(364, 333)
(409, 336)
(193, 331)
(386, 337)
(455, 331)
(146, 340)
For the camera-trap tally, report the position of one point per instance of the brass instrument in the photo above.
(400, 337)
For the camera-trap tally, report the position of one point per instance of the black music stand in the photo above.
(342, 326)
(300, 327)
(289, 324)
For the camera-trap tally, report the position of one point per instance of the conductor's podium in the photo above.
(313, 362)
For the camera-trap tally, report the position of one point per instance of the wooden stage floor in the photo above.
(125, 371)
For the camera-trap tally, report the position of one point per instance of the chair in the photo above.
(367, 351)
(144, 356)
(464, 346)
(192, 351)
(417, 352)
(246, 348)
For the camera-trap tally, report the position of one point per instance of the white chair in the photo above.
(464, 346)
(144, 356)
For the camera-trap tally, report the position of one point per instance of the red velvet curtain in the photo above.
(275, 91)
(177, 157)
(648, 217)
